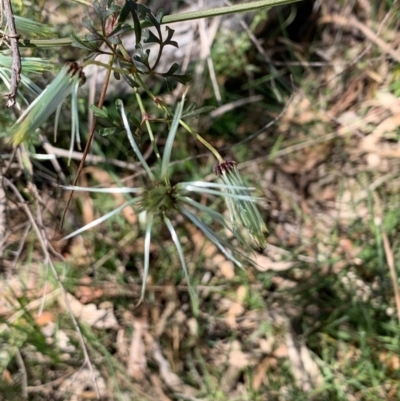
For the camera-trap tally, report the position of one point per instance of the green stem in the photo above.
(107, 66)
(144, 86)
(215, 12)
(148, 126)
(203, 141)
(91, 133)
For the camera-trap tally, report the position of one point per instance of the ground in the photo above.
(309, 108)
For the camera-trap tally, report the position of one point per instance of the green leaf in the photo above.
(134, 10)
(120, 30)
(112, 10)
(217, 11)
(123, 15)
(92, 37)
(102, 113)
(92, 56)
(151, 38)
(182, 79)
(115, 40)
(130, 81)
(142, 56)
(100, 9)
(137, 27)
(108, 131)
(160, 15)
(168, 41)
(32, 29)
(88, 24)
(130, 7)
(133, 120)
(149, 17)
(196, 112)
(174, 67)
(78, 42)
(192, 106)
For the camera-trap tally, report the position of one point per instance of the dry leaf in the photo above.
(389, 101)
(87, 294)
(61, 339)
(236, 308)
(304, 368)
(259, 375)
(137, 362)
(264, 263)
(171, 379)
(225, 266)
(44, 318)
(90, 314)
(162, 320)
(370, 142)
(80, 382)
(238, 361)
(157, 387)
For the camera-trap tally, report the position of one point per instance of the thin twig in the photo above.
(91, 135)
(93, 159)
(24, 376)
(221, 110)
(16, 56)
(392, 270)
(266, 126)
(48, 262)
(20, 248)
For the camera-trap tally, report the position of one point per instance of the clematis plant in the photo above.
(164, 199)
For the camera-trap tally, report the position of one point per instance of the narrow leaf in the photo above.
(151, 38)
(160, 15)
(102, 113)
(182, 79)
(170, 34)
(93, 37)
(201, 110)
(78, 42)
(130, 81)
(88, 24)
(123, 15)
(174, 67)
(170, 140)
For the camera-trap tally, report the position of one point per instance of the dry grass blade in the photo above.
(392, 270)
(351, 23)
